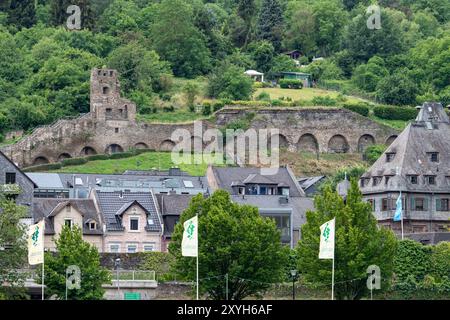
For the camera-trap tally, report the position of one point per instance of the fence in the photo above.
(132, 275)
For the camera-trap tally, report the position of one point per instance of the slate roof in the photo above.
(171, 207)
(430, 132)
(49, 208)
(46, 180)
(297, 205)
(111, 203)
(228, 176)
(307, 182)
(18, 169)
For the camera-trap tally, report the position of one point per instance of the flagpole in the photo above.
(402, 212)
(197, 256)
(332, 282)
(402, 226)
(42, 280)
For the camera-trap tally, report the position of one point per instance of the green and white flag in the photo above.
(327, 240)
(189, 244)
(36, 243)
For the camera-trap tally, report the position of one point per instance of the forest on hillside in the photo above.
(45, 68)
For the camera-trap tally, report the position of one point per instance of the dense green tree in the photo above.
(363, 43)
(397, 89)
(73, 250)
(262, 53)
(235, 240)
(178, 41)
(373, 152)
(21, 13)
(367, 76)
(138, 67)
(13, 246)
(119, 17)
(246, 11)
(330, 19)
(191, 90)
(229, 81)
(359, 243)
(59, 12)
(271, 23)
(301, 30)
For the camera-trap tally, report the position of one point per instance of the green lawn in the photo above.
(396, 124)
(302, 94)
(145, 161)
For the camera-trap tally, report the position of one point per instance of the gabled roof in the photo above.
(48, 208)
(17, 168)
(258, 179)
(111, 203)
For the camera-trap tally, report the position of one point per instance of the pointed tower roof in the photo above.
(422, 149)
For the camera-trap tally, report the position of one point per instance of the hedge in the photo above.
(74, 161)
(218, 105)
(44, 167)
(98, 157)
(323, 101)
(360, 108)
(290, 84)
(395, 113)
(121, 155)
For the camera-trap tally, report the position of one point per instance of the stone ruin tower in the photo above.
(106, 103)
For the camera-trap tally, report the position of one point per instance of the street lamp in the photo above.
(294, 277)
(117, 266)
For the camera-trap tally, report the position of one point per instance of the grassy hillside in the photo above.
(303, 164)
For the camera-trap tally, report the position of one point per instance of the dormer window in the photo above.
(241, 190)
(386, 180)
(376, 181)
(433, 156)
(413, 179)
(92, 225)
(134, 224)
(390, 156)
(68, 223)
(431, 180)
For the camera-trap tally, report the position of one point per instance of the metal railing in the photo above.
(133, 275)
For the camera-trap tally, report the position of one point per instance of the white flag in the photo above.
(327, 240)
(189, 245)
(36, 243)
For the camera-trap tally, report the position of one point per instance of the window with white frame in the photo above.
(92, 225)
(132, 248)
(148, 247)
(114, 247)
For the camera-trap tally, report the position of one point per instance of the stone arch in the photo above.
(166, 145)
(308, 142)
(282, 141)
(390, 140)
(63, 156)
(88, 151)
(364, 141)
(338, 144)
(141, 145)
(40, 160)
(113, 148)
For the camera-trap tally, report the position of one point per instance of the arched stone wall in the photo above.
(307, 143)
(364, 141)
(338, 144)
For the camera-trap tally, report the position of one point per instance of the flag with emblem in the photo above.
(327, 240)
(189, 244)
(36, 243)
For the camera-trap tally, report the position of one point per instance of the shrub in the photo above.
(73, 161)
(2, 138)
(44, 167)
(169, 109)
(121, 155)
(395, 113)
(373, 152)
(218, 105)
(263, 96)
(97, 157)
(277, 102)
(290, 84)
(192, 108)
(360, 108)
(206, 109)
(323, 101)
